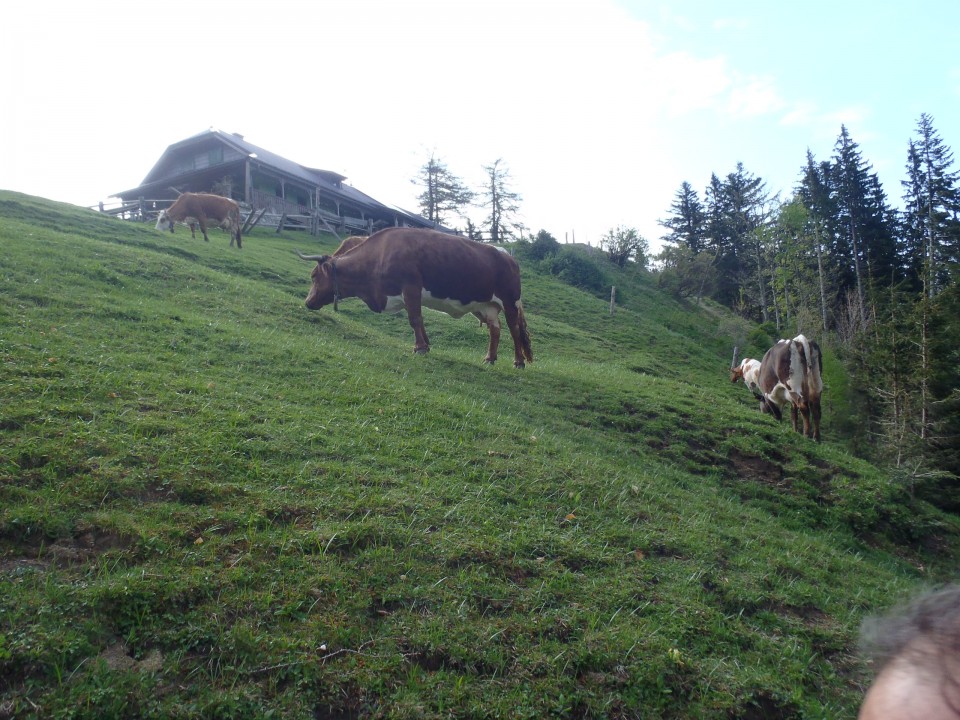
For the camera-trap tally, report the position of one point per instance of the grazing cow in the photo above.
(749, 372)
(790, 372)
(199, 208)
(399, 268)
(348, 244)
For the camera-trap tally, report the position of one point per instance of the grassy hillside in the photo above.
(215, 503)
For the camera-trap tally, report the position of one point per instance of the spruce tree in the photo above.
(814, 194)
(687, 222)
(932, 205)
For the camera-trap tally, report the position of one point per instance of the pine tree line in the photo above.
(835, 260)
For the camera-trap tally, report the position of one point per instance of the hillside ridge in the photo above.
(215, 502)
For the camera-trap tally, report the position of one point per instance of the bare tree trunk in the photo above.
(856, 269)
(763, 295)
(823, 289)
(925, 372)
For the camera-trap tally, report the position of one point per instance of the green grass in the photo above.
(215, 503)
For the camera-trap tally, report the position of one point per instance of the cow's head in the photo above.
(736, 373)
(164, 222)
(324, 290)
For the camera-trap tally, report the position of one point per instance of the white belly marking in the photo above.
(451, 307)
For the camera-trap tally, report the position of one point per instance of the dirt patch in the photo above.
(117, 657)
(38, 552)
(756, 467)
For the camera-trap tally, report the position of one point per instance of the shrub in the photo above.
(575, 269)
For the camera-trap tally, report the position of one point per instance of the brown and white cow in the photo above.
(408, 268)
(199, 208)
(790, 372)
(748, 371)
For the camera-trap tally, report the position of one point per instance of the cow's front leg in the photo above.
(412, 299)
(491, 318)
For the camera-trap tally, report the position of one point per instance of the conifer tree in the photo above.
(443, 192)
(501, 201)
(747, 213)
(932, 205)
(814, 193)
(864, 243)
(687, 222)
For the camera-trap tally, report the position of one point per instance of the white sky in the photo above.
(598, 108)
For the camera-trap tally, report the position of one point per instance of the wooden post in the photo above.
(613, 298)
(736, 352)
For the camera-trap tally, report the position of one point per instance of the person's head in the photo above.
(916, 653)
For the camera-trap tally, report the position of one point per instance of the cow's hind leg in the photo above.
(203, 227)
(815, 419)
(518, 331)
(412, 300)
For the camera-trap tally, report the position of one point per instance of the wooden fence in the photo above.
(268, 211)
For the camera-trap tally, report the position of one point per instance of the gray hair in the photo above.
(923, 634)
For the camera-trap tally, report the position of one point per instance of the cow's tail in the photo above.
(524, 333)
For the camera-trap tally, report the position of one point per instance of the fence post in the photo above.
(613, 298)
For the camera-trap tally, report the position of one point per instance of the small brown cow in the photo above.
(409, 268)
(199, 208)
(749, 372)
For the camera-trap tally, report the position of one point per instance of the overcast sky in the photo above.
(600, 109)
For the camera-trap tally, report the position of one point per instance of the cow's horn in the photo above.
(318, 258)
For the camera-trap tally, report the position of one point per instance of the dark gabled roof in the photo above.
(331, 182)
(312, 176)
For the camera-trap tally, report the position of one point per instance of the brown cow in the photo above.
(790, 372)
(399, 268)
(348, 244)
(200, 207)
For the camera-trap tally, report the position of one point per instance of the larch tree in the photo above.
(500, 200)
(442, 193)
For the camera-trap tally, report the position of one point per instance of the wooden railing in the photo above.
(270, 210)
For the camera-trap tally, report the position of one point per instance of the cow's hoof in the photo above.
(518, 365)
(421, 351)
(488, 361)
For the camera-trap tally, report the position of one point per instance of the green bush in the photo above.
(575, 269)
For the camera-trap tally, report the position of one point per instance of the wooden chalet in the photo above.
(264, 183)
